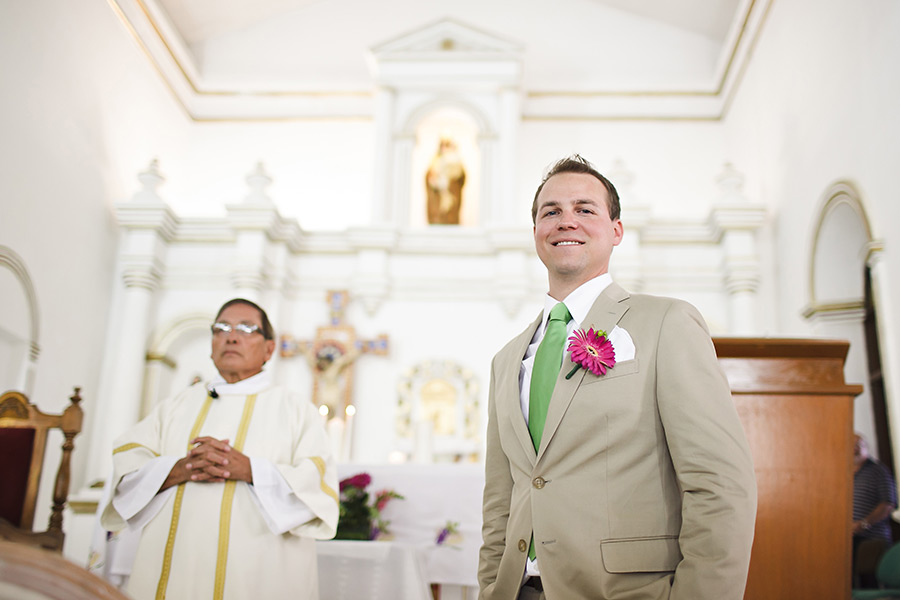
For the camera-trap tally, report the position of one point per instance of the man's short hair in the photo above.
(267, 330)
(577, 164)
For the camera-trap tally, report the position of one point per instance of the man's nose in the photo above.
(567, 221)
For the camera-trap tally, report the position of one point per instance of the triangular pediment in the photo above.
(446, 38)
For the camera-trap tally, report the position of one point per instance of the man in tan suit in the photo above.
(642, 484)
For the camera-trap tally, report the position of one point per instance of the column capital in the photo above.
(144, 275)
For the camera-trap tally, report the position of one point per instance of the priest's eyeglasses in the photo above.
(242, 328)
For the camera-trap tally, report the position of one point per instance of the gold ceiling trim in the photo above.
(726, 104)
(293, 119)
(203, 92)
(662, 93)
(582, 118)
(140, 42)
(366, 94)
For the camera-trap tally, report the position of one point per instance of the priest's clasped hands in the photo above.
(210, 461)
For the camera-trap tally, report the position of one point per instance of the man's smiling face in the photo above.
(573, 233)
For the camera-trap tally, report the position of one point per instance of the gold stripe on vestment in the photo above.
(132, 446)
(176, 509)
(320, 465)
(228, 501)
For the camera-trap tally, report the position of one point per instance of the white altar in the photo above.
(434, 494)
(350, 570)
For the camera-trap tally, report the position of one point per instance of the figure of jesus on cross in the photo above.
(330, 357)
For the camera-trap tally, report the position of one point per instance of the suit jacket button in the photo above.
(523, 546)
(538, 482)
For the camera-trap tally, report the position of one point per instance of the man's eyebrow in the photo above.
(578, 202)
(548, 203)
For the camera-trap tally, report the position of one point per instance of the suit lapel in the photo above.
(512, 392)
(606, 312)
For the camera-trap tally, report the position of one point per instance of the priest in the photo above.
(230, 482)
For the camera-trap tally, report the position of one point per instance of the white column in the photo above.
(148, 225)
(155, 369)
(399, 191)
(255, 221)
(506, 207)
(382, 205)
(511, 281)
(627, 264)
(370, 284)
(737, 220)
(742, 276)
(491, 195)
(119, 403)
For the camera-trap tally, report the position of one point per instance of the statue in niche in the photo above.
(444, 182)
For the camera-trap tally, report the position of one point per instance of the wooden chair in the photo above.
(23, 437)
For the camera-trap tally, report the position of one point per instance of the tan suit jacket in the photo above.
(643, 486)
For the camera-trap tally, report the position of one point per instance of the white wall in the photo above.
(80, 106)
(818, 105)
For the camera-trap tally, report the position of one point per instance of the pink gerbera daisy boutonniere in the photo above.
(591, 350)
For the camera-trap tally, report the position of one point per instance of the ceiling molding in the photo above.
(173, 61)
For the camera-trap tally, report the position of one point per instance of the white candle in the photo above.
(336, 433)
(347, 445)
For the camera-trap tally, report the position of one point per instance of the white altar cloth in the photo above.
(434, 494)
(350, 570)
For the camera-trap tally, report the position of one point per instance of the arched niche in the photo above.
(447, 137)
(453, 65)
(841, 244)
(19, 324)
(179, 352)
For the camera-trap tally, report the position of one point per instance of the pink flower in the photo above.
(591, 350)
(360, 480)
(382, 498)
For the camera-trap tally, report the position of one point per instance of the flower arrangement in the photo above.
(591, 350)
(448, 534)
(358, 520)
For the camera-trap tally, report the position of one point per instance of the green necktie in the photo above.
(547, 362)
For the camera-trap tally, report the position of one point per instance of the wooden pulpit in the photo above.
(797, 411)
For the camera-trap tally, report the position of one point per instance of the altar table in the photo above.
(434, 494)
(351, 570)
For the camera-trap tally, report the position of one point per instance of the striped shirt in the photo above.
(872, 485)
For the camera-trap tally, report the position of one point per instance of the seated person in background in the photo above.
(229, 482)
(874, 498)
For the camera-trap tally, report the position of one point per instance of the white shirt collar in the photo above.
(252, 385)
(580, 301)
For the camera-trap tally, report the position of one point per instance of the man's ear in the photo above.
(618, 231)
(270, 348)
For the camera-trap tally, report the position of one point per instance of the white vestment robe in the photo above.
(232, 539)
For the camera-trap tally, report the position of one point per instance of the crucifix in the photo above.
(330, 357)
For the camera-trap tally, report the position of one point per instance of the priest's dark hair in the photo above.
(578, 164)
(267, 330)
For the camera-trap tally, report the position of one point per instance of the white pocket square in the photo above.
(622, 343)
